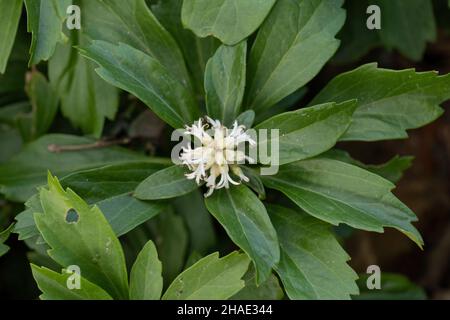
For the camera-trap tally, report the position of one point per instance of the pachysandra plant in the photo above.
(222, 72)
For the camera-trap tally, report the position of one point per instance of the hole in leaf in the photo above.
(72, 216)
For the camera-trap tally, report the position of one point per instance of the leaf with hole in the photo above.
(109, 188)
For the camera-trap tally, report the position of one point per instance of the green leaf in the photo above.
(246, 118)
(54, 286)
(442, 14)
(125, 213)
(393, 287)
(255, 182)
(211, 278)
(38, 256)
(4, 235)
(337, 192)
(3, 249)
(246, 222)
(114, 21)
(165, 184)
(20, 176)
(11, 86)
(44, 107)
(10, 142)
(193, 258)
(231, 21)
(146, 282)
(86, 99)
(134, 71)
(390, 101)
(196, 51)
(407, 25)
(109, 188)
(45, 21)
(9, 113)
(298, 130)
(225, 82)
(11, 11)
(192, 208)
(392, 170)
(98, 184)
(292, 101)
(357, 39)
(171, 239)
(269, 290)
(131, 22)
(313, 265)
(25, 226)
(80, 235)
(279, 65)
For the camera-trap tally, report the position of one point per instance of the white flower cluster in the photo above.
(217, 155)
